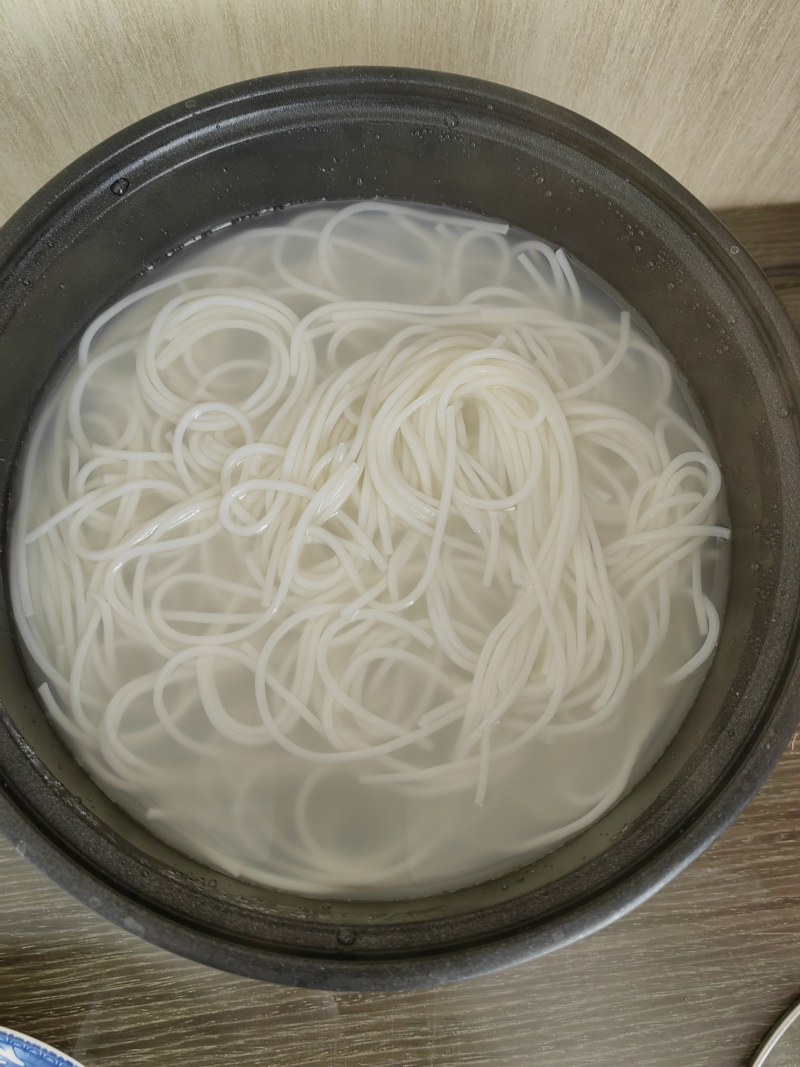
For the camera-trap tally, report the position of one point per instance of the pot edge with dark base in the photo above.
(358, 133)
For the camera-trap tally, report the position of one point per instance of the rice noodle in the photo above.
(380, 511)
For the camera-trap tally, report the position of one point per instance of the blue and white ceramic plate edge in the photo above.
(19, 1050)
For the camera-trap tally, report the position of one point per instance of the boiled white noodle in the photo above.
(370, 552)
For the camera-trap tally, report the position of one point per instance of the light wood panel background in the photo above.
(709, 88)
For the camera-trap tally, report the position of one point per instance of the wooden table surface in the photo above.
(691, 979)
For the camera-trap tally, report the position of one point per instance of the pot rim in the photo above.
(120, 155)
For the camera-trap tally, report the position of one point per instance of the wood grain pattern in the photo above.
(709, 88)
(691, 979)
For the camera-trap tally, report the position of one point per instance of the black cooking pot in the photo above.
(347, 134)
